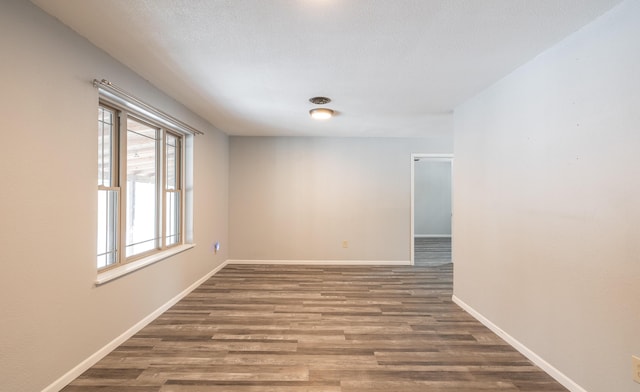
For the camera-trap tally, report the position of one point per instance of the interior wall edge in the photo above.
(524, 350)
(83, 366)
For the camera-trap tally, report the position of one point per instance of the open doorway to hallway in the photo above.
(431, 211)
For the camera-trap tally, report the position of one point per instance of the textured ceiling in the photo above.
(392, 68)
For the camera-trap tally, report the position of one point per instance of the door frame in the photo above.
(433, 158)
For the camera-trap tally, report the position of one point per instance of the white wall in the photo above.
(299, 198)
(432, 192)
(547, 191)
(52, 315)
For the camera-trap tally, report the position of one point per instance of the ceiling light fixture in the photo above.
(321, 113)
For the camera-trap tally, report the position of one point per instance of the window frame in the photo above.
(178, 187)
(125, 187)
(161, 248)
(114, 180)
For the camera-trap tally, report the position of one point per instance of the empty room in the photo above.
(320, 195)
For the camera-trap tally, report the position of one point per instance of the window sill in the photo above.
(115, 273)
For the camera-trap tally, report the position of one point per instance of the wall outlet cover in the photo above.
(215, 247)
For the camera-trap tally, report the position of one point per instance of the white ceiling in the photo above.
(392, 68)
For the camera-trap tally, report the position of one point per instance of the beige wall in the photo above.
(299, 198)
(52, 315)
(546, 200)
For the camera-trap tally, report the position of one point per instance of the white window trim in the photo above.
(115, 273)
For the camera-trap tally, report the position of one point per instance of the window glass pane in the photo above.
(142, 190)
(172, 161)
(172, 219)
(107, 227)
(105, 142)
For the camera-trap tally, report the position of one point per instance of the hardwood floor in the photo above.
(432, 251)
(317, 328)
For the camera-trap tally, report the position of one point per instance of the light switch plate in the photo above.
(635, 360)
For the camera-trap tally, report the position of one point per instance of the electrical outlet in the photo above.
(345, 244)
(635, 360)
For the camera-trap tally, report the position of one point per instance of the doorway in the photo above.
(431, 210)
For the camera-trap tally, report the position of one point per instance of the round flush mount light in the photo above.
(321, 113)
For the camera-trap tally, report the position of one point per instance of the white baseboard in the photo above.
(524, 350)
(323, 262)
(432, 235)
(98, 355)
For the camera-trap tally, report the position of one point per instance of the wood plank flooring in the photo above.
(432, 251)
(317, 329)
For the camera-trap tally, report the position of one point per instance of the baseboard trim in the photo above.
(72, 374)
(432, 235)
(524, 350)
(323, 262)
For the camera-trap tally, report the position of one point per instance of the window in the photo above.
(140, 183)
(108, 190)
(173, 190)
